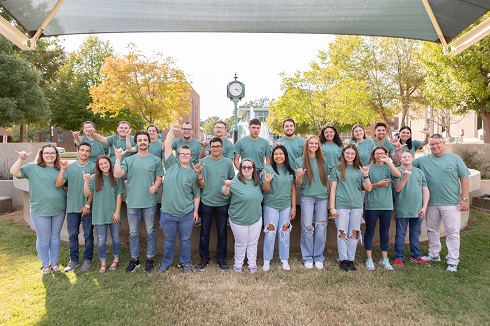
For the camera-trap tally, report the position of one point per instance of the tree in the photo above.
(208, 124)
(263, 102)
(153, 88)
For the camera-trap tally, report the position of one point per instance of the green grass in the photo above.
(411, 295)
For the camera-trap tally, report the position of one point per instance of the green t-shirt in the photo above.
(256, 150)
(156, 149)
(74, 175)
(46, 198)
(104, 200)
(348, 192)
(195, 146)
(115, 141)
(443, 174)
(380, 198)
(245, 202)
(316, 189)
(415, 147)
(294, 147)
(279, 195)
(142, 171)
(215, 172)
(96, 148)
(228, 149)
(365, 150)
(179, 188)
(332, 152)
(386, 144)
(409, 200)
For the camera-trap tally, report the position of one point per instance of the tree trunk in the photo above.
(21, 133)
(485, 116)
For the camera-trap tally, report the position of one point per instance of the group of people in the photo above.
(365, 179)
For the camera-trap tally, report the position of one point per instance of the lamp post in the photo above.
(235, 91)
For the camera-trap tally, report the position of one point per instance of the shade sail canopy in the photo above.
(415, 19)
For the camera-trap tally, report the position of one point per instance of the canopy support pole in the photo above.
(433, 19)
(471, 37)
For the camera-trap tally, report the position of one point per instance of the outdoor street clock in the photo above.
(235, 90)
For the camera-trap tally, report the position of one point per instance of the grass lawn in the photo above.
(410, 295)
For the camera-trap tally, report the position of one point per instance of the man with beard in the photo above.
(187, 139)
(116, 141)
(294, 144)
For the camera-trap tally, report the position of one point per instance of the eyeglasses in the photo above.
(186, 129)
(435, 144)
(216, 147)
(49, 153)
(247, 167)
(216, 127)
(185, 154)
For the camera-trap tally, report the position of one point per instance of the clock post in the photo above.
(235, 91)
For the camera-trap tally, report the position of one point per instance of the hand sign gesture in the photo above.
(64, 164)
(228, 183)
(300, 172)
(23, 155)
(396, 143)
(87, 176)
(75, 134)
(269, 177)
(365, 170)
(119, 152)
(198, 167)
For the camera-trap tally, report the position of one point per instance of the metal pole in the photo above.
(235, 121)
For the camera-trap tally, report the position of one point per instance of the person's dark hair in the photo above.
(215, 140)
(154, 126)
(40, 159)
(372, 159)
(342, 166)
(99, 178)
(320, 161)
(287, 166)
(254, 174)
(289, 120)
(409, 140)
(254, 122)
(139, 133)
(89, 123)
(85, 144)
(380, 124)
(336, 136)
(220, 122)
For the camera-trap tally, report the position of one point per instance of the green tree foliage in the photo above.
(208, 124)
(263, 102)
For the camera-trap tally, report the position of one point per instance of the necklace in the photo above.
(82, 166)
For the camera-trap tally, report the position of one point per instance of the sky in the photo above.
(210, 60)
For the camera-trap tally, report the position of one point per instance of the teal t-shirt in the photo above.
(156, 149)
(74, 175)
(415, 147)
(443, 174)
(179, 188)
(96, 148)
(215, 172)
(386, 144)
(245, 202)
(316, 188)
(294, 147)
(46, 198)
(380, 198)
(142, 171)
(348, 192)
(115, 141)
(228, 149)
(195, 146)
(409, 200)
(256, 150)
(365, 150)
(332, 152)
(104, 200)
(279, 195)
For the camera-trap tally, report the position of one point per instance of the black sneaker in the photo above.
(202, 264)
(134, 263)
(223, 265)
(352, 266)
(149, 265)
(344, 265)
(186, 268)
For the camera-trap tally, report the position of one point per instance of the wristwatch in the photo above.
(87, 206)
(464, 199)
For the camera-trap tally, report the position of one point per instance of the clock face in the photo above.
(236, 89)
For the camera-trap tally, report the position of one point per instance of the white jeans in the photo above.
(246, 242)
(451, 218)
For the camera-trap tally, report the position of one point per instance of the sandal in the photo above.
(103, 269)
(114, 265)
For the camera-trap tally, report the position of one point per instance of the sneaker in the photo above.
(419, 260)
(71, 266)
(253, 270)
(344, 265)
(370, 264)
(223, 265)
(351, 265)
(385, 262)
(202, 264)
(308, 265)
(267, 265)
(149, 265)
(319, 265)
(134, 264)
(430, 258)
(186, 268)
(452, 268)
(56, 268)
(398, 262)
(87, 264)
(237, 269)
(46, 270)
(285, 265)
(163, 269)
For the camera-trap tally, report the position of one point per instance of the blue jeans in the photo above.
(102, 239)
(171, 225)
(401, 230)
(313, 237)
(48, 242)
(277, 219)
(221, 214)
(348, 220)
(134, 220)
(73, 221)
(372, 217)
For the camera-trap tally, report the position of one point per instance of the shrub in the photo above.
(476, 160)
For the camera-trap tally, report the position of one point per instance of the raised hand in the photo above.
(396, 143)
(198, 167)
(23, 155)
(426, 131)
(87, 176)
(228, 183)
(277, 143)
(64, 164)
(300, 172)
(385, 159)
(364, 170)
(269, 177)
(153, 189)
(119, 152)
(75, 134)
(204, 143)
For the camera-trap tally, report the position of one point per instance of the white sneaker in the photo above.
(430, 258)
(452, 268)
(308, 265)
(285, 265)
(267, 265)
(319, 265)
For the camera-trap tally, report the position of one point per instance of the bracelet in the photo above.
(365, 176)
(293, 209)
